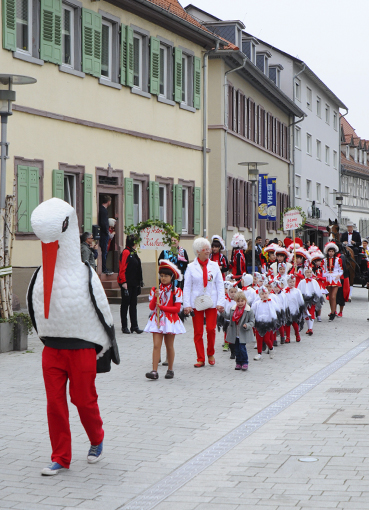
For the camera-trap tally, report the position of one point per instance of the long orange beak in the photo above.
(49, 254)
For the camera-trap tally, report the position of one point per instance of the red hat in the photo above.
(169, 265)
(281, 250)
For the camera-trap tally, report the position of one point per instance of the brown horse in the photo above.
(334, 235)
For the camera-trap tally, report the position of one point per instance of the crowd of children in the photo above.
(261, 307)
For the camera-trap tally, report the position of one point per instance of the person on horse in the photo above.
(351, 238)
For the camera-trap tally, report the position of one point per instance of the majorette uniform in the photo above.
(222, 262)
(266, 321)
(318, 275)
(313, 298)
(169, 321)
(238, 261)
(332, 271)
(294, 312)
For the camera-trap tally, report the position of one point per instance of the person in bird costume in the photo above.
(313, 297)
(237, 263)
(72, 317)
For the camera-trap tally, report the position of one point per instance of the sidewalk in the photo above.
(153, 427)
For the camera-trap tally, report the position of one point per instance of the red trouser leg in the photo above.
(259, 343)
(281, 331)
(211, 324)
(198, 326)
(296, 329)
(268, 339)
(288, 333)
(312, 311)
(79, 366)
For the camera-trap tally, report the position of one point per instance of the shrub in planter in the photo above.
(14, 332)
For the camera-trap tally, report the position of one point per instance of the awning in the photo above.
(310, 226)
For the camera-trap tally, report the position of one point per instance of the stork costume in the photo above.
(71, 315)
(266, 321)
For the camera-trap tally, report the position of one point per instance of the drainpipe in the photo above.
(204, 140)
(292, 190)
(339, 166)
(224, 233)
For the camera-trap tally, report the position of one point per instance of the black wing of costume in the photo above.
(30, 298)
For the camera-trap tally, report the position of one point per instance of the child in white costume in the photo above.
(247, 281)
(277, 286)
(230, 292)
(266, 321)
(295, 309)
(170, 301)
(313, 297)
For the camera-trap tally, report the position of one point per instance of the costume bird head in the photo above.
(55, 223)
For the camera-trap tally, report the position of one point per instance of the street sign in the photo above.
(292, 220)
(152, 239)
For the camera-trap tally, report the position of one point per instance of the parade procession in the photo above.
(184, 256)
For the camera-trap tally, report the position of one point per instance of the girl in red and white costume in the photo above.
(238, 260)
(266, 264)
(170, 325)
(217, 245)
(266, 321)
(280, 297)
(313, 297)
(316, 257)
(282, 256)
(203, 277)
(230, 290)
(332, 271)
(295, 309)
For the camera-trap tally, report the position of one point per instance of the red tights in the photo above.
(267, 338)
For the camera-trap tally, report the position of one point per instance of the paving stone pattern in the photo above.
(153, 427)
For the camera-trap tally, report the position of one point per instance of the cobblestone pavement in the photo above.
(154, 427)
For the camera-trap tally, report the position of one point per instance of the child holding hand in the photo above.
(240, 329)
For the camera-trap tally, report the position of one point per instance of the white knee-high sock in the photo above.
(311, 323)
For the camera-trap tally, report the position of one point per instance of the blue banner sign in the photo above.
(272, 198)
(263, 197)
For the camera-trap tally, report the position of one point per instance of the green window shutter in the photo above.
(51, 31)
(87, 202)
(197, 83)
(154, 200)
(197, 211)
(128, 201)
(22, 194)
(177, 212)
(130, 57)
(9, 25)
(177, 76)
(33, 192)
(91, 42)
(154, 66)
(58, 184)
(123, 54)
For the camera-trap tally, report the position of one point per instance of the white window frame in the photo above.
(309, 144)
(318, 192)
(138, 37)
(298, 89)
(335, 119)
(347, 152)
(335, 160)
(164, 188)
(110, 49)
(67, 189)
(327, 155)
(71, 10)
(164, 63)
(308, 189)
(318, 150)
(297, 186)
(185, 68)
(309, 98)
(355, 154)
(29, 42)
(185, 192)
(139, 184)
(327, 114)
(326, 198)
(297, 138)
(318, 107)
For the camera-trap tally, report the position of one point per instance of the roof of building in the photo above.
(350, 137)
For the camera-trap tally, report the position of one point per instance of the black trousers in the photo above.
(130, 302)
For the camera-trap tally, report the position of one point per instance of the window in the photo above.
(68, 36)
(163, 202)
(275, 75)
(318, 150)
(335, 120)
(347, 152)
(137, 62)
(326, 155)
(309, 144)
(184, 210)
(335, 160)
(29, 192)
(365, 158)
(318, 107)
(308, 189)
(24, 25)
(298, 89)
(297, 186)
(185, 69)
(355, 154)
(70, 189)
(163, 75)
(297, 137)
(106, 50)
(137, 202)
(326, 198)
(327, 114)
(309, 98)
(318, 192)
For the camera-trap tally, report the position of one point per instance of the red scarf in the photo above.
(237, 314)
(204, 271)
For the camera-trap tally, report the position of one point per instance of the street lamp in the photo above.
(7, 96)
(253, 178)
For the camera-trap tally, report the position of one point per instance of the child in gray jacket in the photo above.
(240, 331)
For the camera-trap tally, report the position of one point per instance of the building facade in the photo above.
(117, 109)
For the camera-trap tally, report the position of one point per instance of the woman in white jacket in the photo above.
(203, 278)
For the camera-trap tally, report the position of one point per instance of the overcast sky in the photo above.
(330, 36)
